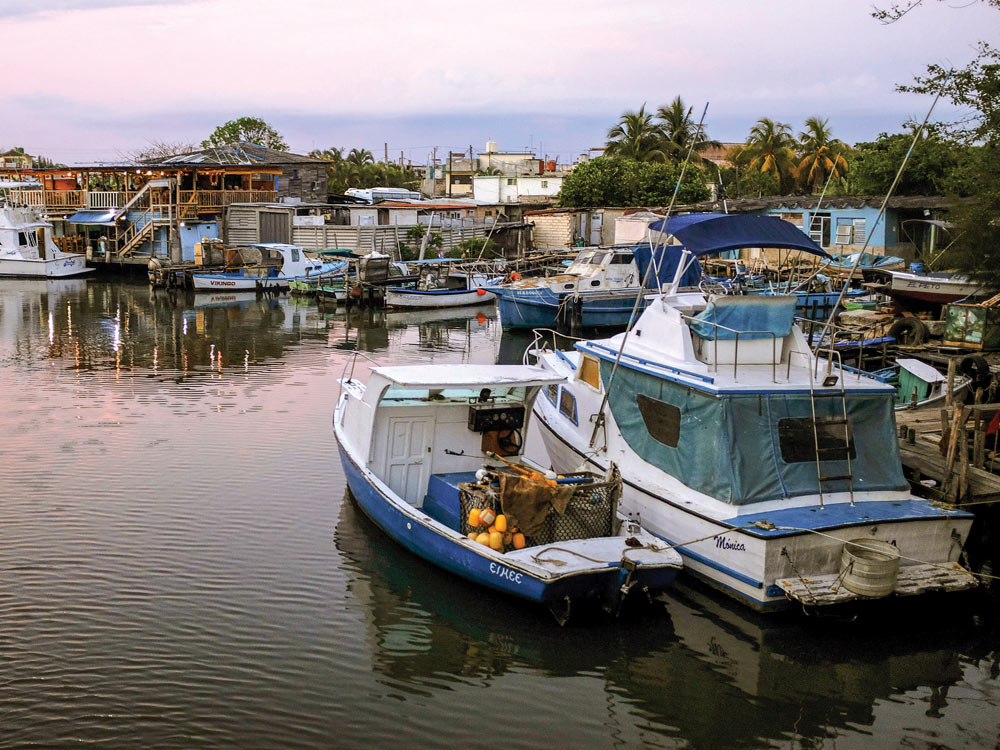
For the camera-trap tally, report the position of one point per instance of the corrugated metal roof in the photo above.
(106, 217)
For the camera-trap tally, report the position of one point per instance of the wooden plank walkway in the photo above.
(920, 446)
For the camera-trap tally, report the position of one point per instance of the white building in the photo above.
(519, 189)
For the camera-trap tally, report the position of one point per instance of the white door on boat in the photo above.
(407, 460)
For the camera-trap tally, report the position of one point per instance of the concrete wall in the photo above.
(554, 230)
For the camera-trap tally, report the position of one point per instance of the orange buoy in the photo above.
(515, 276)
(480, 292)
(473, 535)
(480, 318)
(484, 539)
(491, 529)
(508, 538)
(518, 541)
(474, 517)
(496, 540)
(501, 523)
(487, 516)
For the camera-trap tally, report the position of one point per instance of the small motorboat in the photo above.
(430, 456)
(267, 265)
(443, 286)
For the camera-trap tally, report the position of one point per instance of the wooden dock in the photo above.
(952, 447)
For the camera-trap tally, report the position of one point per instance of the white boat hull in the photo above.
(208, 282)
(61, 267)
(434, 299)
(743, 565)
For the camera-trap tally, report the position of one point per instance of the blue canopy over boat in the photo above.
(704, 234)
(666, 259)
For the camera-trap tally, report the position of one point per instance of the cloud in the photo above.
(11, 8)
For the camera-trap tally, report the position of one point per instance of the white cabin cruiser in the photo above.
(27, 249)
(766, 465)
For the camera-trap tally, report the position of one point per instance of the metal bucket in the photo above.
(869, 567)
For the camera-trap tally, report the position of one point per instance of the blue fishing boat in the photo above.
(429, 453)
(599, 288)
(775, 472)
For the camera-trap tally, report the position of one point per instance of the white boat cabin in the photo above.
(406, 425)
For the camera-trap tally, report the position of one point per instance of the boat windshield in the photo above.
(397, 394)
(588, 263)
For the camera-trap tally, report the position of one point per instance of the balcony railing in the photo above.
(108, 199)
(191, 201)
(214, 199)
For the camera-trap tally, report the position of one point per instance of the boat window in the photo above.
(795, 435)
(295, 255)
(622, 259)
(26, 238)
(598, 259)
(590, 372)
(552, 393)
(583, 258)
(567, 405)
(402, 394)
(663, 420)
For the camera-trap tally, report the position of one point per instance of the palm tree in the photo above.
(679, 130)
(822, 156)
(635, 136)
(771, 149)
(360, 157)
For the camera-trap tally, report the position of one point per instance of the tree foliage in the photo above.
(637, 137)
(667, 136)
(937, 166)
(249, 129)
(360, 170)
(619, 181)
(975, 90)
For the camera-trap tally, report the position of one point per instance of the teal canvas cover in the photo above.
(728, 446)
(755, 317)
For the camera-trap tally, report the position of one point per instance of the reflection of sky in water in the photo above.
(177, 540)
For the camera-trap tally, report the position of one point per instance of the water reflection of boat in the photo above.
(702, 669)
(50, 286)
(772, 678)
(426, 623)
(226, 299)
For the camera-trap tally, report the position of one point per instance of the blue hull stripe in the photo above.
(434, 546)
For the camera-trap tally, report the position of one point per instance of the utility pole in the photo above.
(449, 173)
(387, 154)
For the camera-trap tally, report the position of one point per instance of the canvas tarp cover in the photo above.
(728, 447)
(755, 317)
(667, 257)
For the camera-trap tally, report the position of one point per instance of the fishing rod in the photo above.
(878, 218)
(599, 420)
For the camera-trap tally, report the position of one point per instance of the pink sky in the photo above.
(91, 79)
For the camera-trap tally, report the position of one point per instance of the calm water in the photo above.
(180, 567)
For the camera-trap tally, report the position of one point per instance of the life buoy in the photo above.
(909, 331)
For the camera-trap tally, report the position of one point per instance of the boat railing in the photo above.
(350, 363)
(541, 343)
(843, 336)
(775, 353)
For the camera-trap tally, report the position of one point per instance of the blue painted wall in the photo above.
(885, 234)
(194, 231)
